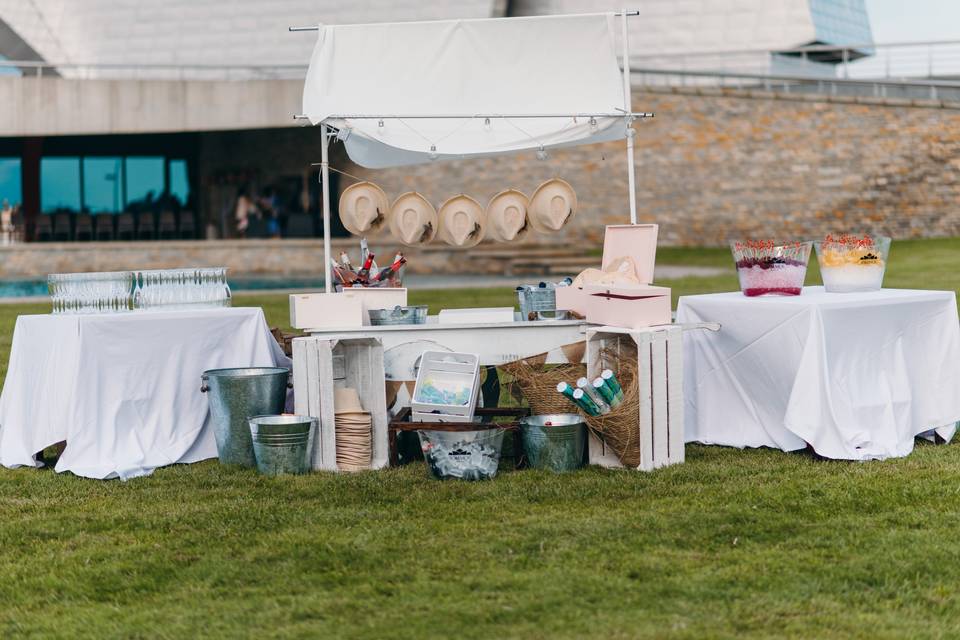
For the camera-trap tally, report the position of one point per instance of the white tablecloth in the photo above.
(122, 389)
(856, 375)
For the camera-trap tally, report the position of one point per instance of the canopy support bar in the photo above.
(628, 108)
(617, 114)
(325, 182)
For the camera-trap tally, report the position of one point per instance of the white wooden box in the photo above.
(660, 376)
(314, 382)
(326, 310)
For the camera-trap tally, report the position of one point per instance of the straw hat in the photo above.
(413, 220)
(346, 400)
(552, 205)
(463, 221)
(507, 216)
(363, 207)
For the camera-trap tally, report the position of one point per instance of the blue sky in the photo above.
(914, 20)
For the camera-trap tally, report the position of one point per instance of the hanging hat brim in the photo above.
(423, 230)
(348, 208)
(496, 216)
(477, 222)
(539, 210)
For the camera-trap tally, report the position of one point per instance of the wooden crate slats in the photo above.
(659, 352)
(299, 351)
(314, 390)
(645, 381)
(675, 400)
(376, 396)
(324, 384)
(659, 405)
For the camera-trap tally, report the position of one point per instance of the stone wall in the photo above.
(266, 258)
(716, 167)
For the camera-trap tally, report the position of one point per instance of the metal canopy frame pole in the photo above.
(628, 107)
(325, 184)
(625, 13)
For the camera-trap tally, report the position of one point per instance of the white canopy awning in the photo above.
(379, 83)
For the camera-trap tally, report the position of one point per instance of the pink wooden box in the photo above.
(628, 306)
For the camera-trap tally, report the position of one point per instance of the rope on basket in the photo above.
(538, 380)
(620, 428)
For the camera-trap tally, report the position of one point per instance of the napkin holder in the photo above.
(634, 305)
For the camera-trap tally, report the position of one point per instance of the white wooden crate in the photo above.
(660, 376)
(314, 382)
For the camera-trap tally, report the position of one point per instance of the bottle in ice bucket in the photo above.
(345, 261)
(346, 276)
(393, 270)
(364, 274)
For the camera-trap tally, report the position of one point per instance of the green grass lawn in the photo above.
(732, 544)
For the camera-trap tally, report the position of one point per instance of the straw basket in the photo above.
(618, 428)
(538, 383)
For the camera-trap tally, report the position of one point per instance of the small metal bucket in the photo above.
(235, 395)
(399, 315)
(282, 444)
(533, 299)
(555, 441)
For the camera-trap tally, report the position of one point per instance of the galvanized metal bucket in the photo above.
(555, 441)
(235, 395)
(533, 299)
(399, 315)
(282, 444)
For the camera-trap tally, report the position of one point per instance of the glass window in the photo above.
(8, 69)
(102, 185)
(144, 177)
(10, 181)
(179, 182)
(59, 184)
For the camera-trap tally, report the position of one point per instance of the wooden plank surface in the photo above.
(645, 385)
(658, 396)
(677, 441)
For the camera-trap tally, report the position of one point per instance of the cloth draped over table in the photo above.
(856, 375)
(123, 390)
(516, 66)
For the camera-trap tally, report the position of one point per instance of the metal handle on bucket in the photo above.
(203, 384)
(290, 380)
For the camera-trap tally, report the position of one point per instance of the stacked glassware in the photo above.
(181, 288)
(157, 289)
(105, 292)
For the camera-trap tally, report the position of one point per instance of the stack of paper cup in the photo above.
(352, 430)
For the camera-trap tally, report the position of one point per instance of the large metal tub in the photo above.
(235, 396)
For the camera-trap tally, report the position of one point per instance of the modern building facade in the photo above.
(123, 118)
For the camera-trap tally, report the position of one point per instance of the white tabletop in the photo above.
(122, 389)
(856, 375)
